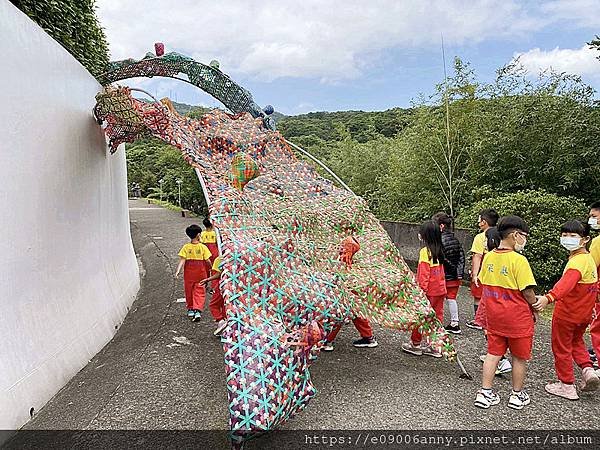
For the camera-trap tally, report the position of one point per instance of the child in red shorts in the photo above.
(493, 241)
(431, 278)
(194, 259)
(507, 290)
(575, 295)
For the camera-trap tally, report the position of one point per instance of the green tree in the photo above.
(542, 134)
(430, 157)
(363, 166)
(544, 213)
(595, 43)
(151, 160)
(513, 134)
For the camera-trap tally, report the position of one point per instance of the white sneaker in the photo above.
(485, 400)
(518, 400)
(504, 366)
(221, 324)
(328, 347)
(409, 347)
(429, 351)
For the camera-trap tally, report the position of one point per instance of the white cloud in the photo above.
(583, 13)
(582, 61)
(330, 40)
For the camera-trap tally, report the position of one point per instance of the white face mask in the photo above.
(594, 223)
(571, 243)
(519, 247)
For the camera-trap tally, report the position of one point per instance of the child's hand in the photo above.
(540, 303)
(176, 275)
(203, 282)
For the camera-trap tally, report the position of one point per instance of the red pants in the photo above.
(437, 303)
(568, 346)
(595, 330)
(195, 293)
(214, 251)
(217, 303)
(362, 325)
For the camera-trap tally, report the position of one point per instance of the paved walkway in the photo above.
(162, 371)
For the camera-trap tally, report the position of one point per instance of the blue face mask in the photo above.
(571, 243)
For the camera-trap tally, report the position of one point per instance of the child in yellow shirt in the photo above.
(194, 259)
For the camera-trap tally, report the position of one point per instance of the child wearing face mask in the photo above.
(574, 294)
(508, 294)
(594, 223)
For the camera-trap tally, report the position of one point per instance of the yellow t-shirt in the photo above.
(195, 251)
(507, 270)
(585, 266)
(595, 250)
(575, 303)
(217, 264)
(208, 237)
(504, 274)
(479, 244)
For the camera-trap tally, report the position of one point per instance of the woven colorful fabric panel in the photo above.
(290, 273)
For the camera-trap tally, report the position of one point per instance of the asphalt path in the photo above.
(163, 372)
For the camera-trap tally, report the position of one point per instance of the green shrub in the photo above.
(150, 160)
(74, 25)
(544, 213)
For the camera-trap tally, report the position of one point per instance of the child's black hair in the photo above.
(432, 238)
(576, 226)
(595, 205)
(490, 216)
(207, 223)
(493, 238)
(442, 218)
(508, 224)
(193, 231)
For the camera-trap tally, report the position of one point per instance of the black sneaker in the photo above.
(454, 329)
(472, 324)
(365, 342)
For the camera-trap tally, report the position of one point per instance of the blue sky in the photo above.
(340, 55)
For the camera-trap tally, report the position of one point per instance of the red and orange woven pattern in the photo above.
(284, 284)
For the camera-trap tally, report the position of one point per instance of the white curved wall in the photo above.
(68, 271)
